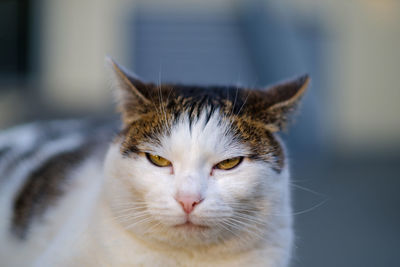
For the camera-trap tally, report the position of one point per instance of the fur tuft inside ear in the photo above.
(130, 92)
(274, 105)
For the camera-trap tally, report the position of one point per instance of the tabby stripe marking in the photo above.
(42, 188)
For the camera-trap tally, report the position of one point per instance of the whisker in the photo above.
(244, 102)
(251, 219)
(122, 212)
(311, 209)
(127, 201)
(308, 190)
(234, 101)
(249, 229)
(139, 222)
(249, 225)
(224, 225)
(242, 238)
(131, 208)
(150, 229)
(131, 216)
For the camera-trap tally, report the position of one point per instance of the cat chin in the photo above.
(189, 226)
(207, 239)
(184, 236)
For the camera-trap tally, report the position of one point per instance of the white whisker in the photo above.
(244, 102)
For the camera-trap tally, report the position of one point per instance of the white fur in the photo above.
(11, 186)
(127, 215)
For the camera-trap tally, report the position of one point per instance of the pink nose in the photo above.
(188, 202)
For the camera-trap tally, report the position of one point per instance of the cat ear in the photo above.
(131, 93)
(280, 100)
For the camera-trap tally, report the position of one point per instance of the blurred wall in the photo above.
(369, 91)
(362, 70)
(76, 35)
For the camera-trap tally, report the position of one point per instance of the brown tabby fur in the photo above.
(149, 110)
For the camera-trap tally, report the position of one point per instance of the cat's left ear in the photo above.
(132, 94)
(279, 101)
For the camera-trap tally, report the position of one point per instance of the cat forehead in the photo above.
(173, 128)
(208, 135)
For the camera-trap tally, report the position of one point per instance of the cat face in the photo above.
(199, 166)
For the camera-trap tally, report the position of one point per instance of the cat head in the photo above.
(197, 165)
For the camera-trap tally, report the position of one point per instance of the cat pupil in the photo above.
(229, 164)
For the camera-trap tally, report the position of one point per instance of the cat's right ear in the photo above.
(131, 93)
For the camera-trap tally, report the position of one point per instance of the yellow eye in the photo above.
(158, 160)
(229, 163)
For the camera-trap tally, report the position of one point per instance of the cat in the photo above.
(195, 176)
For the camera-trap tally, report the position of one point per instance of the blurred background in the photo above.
(344, 145)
